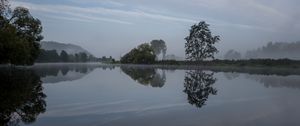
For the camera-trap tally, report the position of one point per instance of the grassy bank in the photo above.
(251, 66)
(279, 63)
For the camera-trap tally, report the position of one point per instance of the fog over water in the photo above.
(113, 27)
(97, 94)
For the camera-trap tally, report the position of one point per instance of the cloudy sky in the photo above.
(113, 27)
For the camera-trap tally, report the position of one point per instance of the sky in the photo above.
(114, 27)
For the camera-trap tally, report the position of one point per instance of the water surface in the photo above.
(105, 95)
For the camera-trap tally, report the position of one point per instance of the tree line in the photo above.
(276, 50)
(50, 56)
(47, 56)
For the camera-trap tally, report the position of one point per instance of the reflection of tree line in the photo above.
(231, 75)
(236, 69)
(22, 97)
(197, 84)
(54, 70)
(64, 71)
(277, 81)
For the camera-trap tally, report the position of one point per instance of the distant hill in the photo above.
(69, 48)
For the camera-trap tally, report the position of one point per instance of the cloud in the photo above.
(69, 18)
(268, 10)
(99, 13)
(118, 14)
(59, 12)
(101, 2)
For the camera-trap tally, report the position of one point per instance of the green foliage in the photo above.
(159, 46)
(143, 54)
(20, 34)
(200, 43)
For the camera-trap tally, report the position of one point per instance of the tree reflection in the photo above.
(275, 81)
(198, 86)
(231, 75)
(146, 76)
(44, 70)
(21, 96)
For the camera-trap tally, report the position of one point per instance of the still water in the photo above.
(104, 95)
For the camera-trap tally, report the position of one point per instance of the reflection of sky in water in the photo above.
(112, 97)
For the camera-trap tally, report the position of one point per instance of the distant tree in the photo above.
(64, 56)
(48, 56)
(71, 58)
(232, 55)
(143, 54)
(107, 59)
(200, 43)
(77, 57)
(92, 58)
(83, 57)
(20, 34)
(103, 57)
(276, 50)
(159, 46)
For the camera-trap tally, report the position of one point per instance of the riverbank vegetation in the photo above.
(200, 50)
(279, 63)
(20, 34)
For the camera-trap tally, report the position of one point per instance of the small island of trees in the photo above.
(200, 45)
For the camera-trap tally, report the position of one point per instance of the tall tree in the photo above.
(20, 34)
(29, 29)
(159, 46)
(200, 43)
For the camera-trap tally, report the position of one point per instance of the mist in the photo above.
(113, 27)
